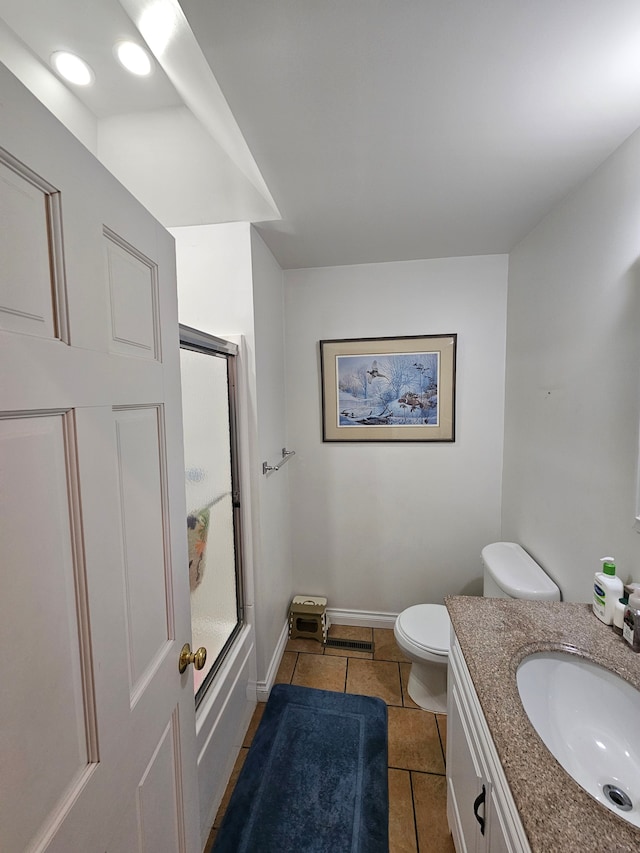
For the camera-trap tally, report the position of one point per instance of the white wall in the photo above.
(377, 527)
(274, 582)
(572, 393)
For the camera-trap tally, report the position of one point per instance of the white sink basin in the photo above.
(589, 719)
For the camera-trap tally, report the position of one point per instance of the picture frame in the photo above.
(389, 389)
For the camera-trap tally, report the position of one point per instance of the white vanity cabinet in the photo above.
(481, 812)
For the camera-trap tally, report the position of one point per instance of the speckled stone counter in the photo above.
(495, 635)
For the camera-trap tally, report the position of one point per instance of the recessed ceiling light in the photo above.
(134, 58)
(72, 68)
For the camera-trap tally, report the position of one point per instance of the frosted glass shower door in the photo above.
(212, 501)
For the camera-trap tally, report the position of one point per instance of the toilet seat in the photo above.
(427, 627)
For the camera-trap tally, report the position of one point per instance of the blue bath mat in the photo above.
(315, 778)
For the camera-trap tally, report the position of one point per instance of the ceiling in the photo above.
(379, 130)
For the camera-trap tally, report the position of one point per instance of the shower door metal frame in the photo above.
(197, 341)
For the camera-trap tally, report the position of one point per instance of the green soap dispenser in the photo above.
(607, 589)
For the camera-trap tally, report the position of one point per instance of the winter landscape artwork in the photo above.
(389, 389)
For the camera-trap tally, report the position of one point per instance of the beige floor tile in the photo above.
(405, 669)
(302, 644)
(441, 720)
(253, 725)
(285, 670)
(402, 830)
(385, 646)
(375, 678)
(413, 741)
(351, 632)
(323, 673)
(237, 767)
(430, 802)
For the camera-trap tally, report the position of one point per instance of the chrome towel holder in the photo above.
(286, 454)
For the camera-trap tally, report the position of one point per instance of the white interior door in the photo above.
(97, 729)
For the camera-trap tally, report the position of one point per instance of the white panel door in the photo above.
(97, 726)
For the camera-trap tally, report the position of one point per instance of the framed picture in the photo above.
(389, 389)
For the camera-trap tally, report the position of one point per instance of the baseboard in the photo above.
(362, 618)
(263, 688)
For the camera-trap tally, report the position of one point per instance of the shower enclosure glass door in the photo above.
(208, 371)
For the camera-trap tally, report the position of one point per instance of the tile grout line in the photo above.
(295, 666)
(423, 772)
(402, 690)
(413, 808)
(442, 749)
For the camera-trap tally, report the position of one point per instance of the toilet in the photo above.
(422, 631)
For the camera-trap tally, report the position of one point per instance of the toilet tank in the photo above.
(509, 572)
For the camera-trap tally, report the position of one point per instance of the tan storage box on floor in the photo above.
(308, 618)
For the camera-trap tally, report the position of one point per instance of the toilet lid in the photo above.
(427, 625)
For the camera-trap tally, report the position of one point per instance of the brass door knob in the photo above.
(198, 658)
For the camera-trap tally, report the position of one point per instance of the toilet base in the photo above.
(428, 686)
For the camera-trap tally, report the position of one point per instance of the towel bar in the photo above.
(286, 454)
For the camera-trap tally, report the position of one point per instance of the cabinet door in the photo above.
(464, 779)
(473, 766)
(497, 834)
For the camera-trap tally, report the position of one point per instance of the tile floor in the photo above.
(417, 783)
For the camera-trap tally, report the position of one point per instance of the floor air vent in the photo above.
(352, 645)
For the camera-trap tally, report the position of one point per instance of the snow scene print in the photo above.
(393, 389)
(389, 389)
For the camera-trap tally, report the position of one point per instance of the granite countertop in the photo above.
(495, 634)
